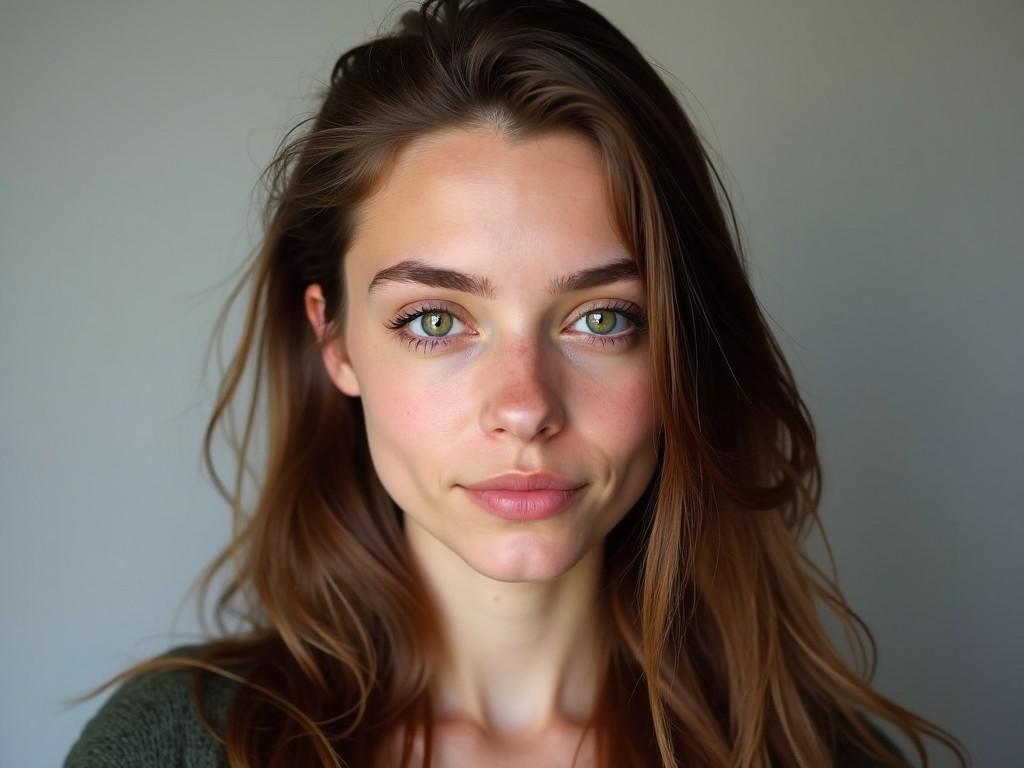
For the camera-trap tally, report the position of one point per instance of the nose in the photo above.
(523, 392)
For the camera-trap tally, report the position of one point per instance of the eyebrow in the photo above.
(424, 273)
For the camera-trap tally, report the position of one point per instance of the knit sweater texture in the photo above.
(150, 722)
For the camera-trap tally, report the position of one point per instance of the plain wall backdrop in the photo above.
(873, 150)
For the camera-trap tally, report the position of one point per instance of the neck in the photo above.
(521, 657)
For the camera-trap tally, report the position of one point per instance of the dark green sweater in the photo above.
(149, 722)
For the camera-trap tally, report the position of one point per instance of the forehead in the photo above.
(476, 199)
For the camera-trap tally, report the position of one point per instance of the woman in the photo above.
(536, 470)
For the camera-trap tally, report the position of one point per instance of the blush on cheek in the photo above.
(417, 422)
(641, 400)
(427, 409)
(623, 406)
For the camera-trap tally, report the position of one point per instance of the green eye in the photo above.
(604, 323)
(436, 323)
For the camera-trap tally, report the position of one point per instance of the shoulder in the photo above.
(151, 720)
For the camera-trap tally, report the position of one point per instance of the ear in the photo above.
(335, 357)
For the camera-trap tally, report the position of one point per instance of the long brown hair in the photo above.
(716, 655)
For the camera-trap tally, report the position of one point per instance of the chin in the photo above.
(523, 557)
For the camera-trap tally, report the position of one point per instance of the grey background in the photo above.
(873, 149)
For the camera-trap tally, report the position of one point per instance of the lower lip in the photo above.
(523, 505)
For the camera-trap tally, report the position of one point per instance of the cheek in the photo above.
(618, 424)
(403, 402)
(412, 426)
(618, 411)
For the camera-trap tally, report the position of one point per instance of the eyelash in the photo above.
(628, 310)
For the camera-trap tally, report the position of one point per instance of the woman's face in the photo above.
(511, 377)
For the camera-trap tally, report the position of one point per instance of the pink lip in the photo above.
(523, 505)
(519, 481)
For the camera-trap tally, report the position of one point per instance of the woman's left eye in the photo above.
(596, 324)
(604, 321)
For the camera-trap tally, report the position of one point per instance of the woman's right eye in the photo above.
(435, 322)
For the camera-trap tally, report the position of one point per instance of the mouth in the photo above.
(526, 481)
(537, 504)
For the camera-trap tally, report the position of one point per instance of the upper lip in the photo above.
(518, 481)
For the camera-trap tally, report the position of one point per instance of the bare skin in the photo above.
(459, 745)
(522, 382)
